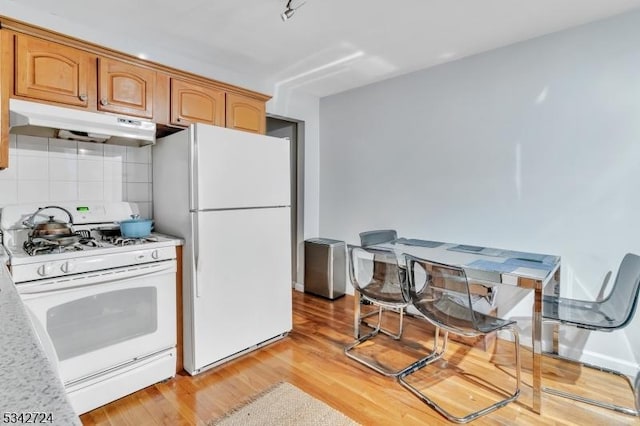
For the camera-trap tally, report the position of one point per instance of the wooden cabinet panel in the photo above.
(161, 101)
(6, 78)
(52, 72)
(244, 113)
(125, 88)
(191, 103)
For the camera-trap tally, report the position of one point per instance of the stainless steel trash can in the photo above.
(324, 267)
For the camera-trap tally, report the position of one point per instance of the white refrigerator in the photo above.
(227, 194)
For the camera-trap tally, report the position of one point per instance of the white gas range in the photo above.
(88, 257)
(103, 306)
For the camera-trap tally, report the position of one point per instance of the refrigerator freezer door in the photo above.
(244, 282)
(233, 169)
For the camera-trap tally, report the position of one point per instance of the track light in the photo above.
(287, 14)
(289, 11)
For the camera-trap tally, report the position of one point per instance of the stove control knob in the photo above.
(45, 269)
(68, 266)
(155, 254)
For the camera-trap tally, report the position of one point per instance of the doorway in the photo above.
(293, 130)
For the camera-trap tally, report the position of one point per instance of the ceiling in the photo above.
(328, 46)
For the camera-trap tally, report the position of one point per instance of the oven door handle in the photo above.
(44, 287)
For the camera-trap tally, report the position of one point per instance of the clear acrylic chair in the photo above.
(441, 294)
(371, 238)
(376, 275)
(613, 313)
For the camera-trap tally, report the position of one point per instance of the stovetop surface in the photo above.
(95, 221)
(81, 241)
(18, 255)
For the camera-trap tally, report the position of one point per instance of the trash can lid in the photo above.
(325, 241)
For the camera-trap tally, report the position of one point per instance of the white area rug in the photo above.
(284, 405)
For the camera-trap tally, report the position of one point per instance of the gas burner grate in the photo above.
(89, 242)
(122, 241)
(84, 233)
(86, 239)
(37, 246)
(34, 248)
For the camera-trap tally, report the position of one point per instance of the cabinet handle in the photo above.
(104, 102)
(82, 97)
(178, 119)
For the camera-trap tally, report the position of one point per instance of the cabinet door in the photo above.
(244, 113)
(125, 88)
(52, 72)
(191, 103)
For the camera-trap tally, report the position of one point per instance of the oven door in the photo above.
(105, 319)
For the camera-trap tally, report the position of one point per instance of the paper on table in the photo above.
(465, 248)
(524, 263)
(487, 265)
(533, 257)
(518, 255)
(417, 242)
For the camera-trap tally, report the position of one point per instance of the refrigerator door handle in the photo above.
(196, 253)
(193, 168)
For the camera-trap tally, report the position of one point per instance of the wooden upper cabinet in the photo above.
(6, 79)
(43, 66)
(52, 72)
(194, 103)
(244, 113)
(125, 88)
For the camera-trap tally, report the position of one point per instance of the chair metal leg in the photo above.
(389, 333)
(380, 368)
(555, 339)
(396, 335)
(370, 314)
(472, 416)
(432, 357)
(634, 385)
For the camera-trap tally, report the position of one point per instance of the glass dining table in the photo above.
(487, 266)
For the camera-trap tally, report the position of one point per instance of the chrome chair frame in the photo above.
(463, 326)
(379, 313)
(634, 385)
(388, 257)
(627, 282)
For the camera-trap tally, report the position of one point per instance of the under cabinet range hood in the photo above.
(36, 119)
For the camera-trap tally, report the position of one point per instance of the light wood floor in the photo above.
(312, 359)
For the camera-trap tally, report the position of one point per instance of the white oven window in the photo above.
(99, 321)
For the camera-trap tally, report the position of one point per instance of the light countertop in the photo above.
(30, 384)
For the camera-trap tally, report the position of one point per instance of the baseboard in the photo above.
(629, 368)
(623, 366)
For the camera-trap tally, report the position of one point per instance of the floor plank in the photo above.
(312, 359)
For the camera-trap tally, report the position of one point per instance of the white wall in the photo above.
(532, 147)
(300, 106)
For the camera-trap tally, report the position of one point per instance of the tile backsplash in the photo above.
(50, 170)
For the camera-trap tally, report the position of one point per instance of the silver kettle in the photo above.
(52, 228)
